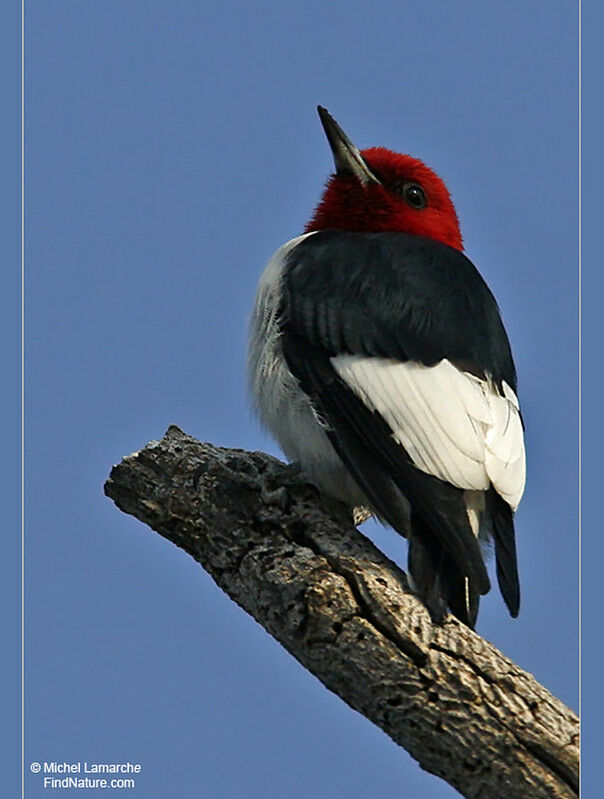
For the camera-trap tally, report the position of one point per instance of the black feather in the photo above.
(437, 580)
(502, 522)
(429, 302)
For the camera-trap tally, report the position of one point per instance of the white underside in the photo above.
(453, 425)
(282, 407)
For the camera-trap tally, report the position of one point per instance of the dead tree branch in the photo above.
(295, 562)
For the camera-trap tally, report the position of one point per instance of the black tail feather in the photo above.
(463, 600)
(438, 581)
(502, 520)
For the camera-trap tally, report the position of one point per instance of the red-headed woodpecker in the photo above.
(379, 361)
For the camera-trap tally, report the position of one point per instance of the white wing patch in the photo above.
(453, 425)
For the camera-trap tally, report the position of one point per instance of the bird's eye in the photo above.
(414, 195)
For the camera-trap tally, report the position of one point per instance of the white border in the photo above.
(580, 345)
(22, 398)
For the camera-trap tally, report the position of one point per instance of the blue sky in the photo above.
(171, 148)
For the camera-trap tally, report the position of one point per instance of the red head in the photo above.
(379, 190)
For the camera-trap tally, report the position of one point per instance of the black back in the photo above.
(395, 296)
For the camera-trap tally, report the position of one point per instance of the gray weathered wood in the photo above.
(295, 562)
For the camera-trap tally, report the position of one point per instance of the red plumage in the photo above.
(348, 204)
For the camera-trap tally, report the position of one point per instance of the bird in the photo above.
(379, 362)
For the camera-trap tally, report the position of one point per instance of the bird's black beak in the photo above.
(347, 158)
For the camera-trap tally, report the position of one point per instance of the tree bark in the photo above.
(295, 562)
